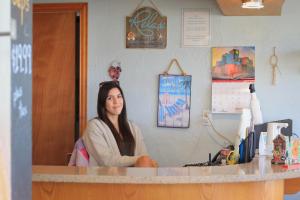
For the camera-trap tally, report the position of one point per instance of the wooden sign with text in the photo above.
(146, 28)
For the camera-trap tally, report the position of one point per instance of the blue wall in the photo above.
(141, 68)
(139, 78)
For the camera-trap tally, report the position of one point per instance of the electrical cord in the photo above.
(295, 134)
(218, 133)
(214, 139)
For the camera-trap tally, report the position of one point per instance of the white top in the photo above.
(102, 146)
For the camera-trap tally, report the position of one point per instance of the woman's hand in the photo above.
(145, 161)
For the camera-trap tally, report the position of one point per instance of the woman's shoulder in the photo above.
(96, 123)
(132, 124)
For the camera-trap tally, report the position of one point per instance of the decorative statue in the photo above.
(115, 70)
(279, 152)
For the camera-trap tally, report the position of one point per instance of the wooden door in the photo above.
(53, 100)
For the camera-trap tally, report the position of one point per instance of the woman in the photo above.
(110, 139)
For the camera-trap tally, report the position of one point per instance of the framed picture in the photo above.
(233, 69)
(174, 101)
(233, 63)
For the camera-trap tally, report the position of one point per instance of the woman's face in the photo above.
(114, 102)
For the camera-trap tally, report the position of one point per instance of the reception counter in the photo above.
(255, 180)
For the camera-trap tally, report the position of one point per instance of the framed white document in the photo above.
(195, 27)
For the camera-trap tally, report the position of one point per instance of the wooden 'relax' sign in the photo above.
(146, 28)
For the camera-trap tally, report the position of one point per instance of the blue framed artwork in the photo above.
(174, 101)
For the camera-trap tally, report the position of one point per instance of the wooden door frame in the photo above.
(82, 8)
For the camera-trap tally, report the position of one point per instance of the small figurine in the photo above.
(115, 70)
(279, 152)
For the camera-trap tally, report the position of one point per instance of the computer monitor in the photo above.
(263, 128)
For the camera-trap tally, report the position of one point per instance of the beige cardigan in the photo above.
(102, 146)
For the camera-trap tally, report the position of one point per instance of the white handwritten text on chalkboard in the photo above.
(18, 103)
(21, 58)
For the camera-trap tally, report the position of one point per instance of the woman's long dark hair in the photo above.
(127, 137)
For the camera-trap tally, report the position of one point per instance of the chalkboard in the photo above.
(21, 100)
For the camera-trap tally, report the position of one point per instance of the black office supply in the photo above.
(209, 159)
(263, 128)
(251, 147)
